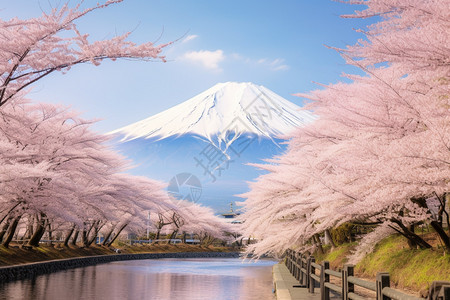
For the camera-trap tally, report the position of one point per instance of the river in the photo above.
(184, 279)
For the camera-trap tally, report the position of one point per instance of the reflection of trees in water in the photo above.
(151, 279)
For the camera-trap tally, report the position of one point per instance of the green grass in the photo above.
(337, 256)
(412, 270)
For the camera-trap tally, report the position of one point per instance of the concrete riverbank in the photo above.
(30, 270)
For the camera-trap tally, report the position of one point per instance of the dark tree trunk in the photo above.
(92, 239)
(5, 228)
(329, 238)
(411, 236)
(108, 235)
(318, 243)
(85, 234)
(437, 224)
(158, 233)
(9, 211)
(411, 243)
(75, 238)
(84, 237)
(117, 234)
(173, 235)
(442, 234)
(68, 235)
(38, 233)
(11, 230)
(50, 234)
(41, 224)
(97, 228)
(184, 237)
(351, 235)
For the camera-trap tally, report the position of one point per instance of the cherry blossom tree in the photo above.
(55, 169)
(34, 48)
(380, 146)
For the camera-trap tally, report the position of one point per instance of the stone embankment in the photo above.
(30, 270)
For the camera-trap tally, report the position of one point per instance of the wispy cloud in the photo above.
(208, 59)
(189, 38)
(276, 64)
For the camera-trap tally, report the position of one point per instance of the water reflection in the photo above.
(161, 279)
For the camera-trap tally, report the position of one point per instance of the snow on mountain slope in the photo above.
(222, 114)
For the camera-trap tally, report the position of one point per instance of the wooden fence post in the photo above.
(347, 287)
(311, 270)
(382, 282)
(293, 268)
(297, 261)
(446, 293)
(288, 260)
(308, 279)
(305, 275)
(324, 291)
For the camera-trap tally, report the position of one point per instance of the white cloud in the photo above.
(190, 38)
(209, 59)
(275, 65)
(262, 61)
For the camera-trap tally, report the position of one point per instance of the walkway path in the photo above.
(287, 287)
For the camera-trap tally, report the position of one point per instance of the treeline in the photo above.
(57, 175)
(379, 152)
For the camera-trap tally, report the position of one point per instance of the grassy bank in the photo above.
(15, 255)
(410, 270)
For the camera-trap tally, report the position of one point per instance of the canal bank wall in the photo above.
(30, 270)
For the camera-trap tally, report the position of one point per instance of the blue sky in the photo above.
(278, 44)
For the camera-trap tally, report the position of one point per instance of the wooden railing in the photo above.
(303, 268)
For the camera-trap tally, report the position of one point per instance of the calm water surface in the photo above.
(184, 279)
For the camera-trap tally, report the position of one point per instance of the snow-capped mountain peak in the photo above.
(224, 109)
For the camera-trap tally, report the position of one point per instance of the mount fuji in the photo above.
(213, 136)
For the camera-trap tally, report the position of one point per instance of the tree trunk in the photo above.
(38, 233)
(173, 235)
(108, 235)
(75, 238)
(158, 233)
(95, 233)
(10, 210)
(11, 230)
(210, 241)
(50, 235)
(329, 238)
(85, 234)
(5, 228)
(30, 230)
(414, 238)
(444, 237)
(84, 237)
(92, 239)
(117, 234)
(69, 234)
(184, 237)
(318, 243)
(411, 243)
(437, 225)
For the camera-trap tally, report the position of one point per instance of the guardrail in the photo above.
(303, 268)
